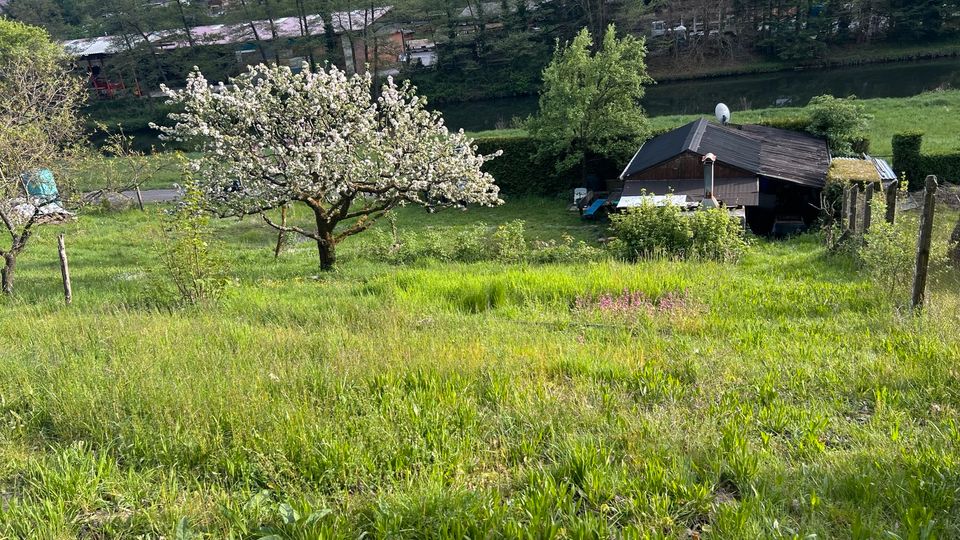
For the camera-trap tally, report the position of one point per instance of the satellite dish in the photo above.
(723, 114)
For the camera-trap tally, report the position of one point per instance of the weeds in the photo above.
(506, 243)
(780, 396)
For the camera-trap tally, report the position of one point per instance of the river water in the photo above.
(782, 89)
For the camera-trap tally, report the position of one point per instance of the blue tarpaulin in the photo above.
(594, 207)
(40, 184)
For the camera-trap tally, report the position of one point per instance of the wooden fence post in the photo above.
(140, 198)
(867, 208)
(64, 270)
(846, 207)
(923, 245)
(852, 215)
(892, 189)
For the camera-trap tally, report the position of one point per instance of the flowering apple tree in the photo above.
(273, 137)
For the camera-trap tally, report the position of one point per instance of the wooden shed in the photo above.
(776, 175)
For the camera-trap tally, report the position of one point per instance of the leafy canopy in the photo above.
(39, 126)
(322, 139)
(590, 102)
(20, 41)
(840, 121)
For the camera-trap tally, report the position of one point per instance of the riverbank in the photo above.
(837, 57)
(934, 113)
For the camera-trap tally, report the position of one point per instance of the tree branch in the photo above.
(361, 225)
(8, 224)
(287, 228)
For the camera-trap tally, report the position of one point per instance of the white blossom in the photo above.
(319, 137)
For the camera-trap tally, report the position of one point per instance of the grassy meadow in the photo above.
(934, 113)
(784, 396)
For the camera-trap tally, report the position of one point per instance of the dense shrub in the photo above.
(790, 123)
(716, 235)
(906, 157)
(519, 170)
(666, 230)
(505, 243)
(911, 163)
(565, 250)
(945, 166)
(651, 230)
(508, 242)
(840, 121)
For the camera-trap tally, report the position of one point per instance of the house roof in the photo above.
(764, 151)
(494, 9)
(226, 34)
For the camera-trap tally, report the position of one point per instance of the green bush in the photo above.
(911, 163)
(887, 256)
(945, 166)
(907, 158)
(189, 261)
(716, 235)
(508, 243)
(840, 121)
(469, 244)
(519, 170)
(564, 251)
(649, 231)
(790, 123)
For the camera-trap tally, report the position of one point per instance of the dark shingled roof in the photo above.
(764, 151)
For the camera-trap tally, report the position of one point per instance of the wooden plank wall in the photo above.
(687, 166)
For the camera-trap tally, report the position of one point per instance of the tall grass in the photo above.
(452, 400)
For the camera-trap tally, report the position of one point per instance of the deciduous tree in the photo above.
(590, 102)
(319, 138)
(39, 99)
(841, 121)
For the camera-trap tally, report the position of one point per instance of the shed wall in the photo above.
(687, 166)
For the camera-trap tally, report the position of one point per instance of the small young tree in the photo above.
(123, 167)
(187, 252)
(39, 123)
(590, 102)
(840, 121)
(320, 138)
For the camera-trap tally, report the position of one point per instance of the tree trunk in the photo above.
(9, 264)
(186, 25)
(326, 245)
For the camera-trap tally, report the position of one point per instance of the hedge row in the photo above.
(519, 171)
(910, 162)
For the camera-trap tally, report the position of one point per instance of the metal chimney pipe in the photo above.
(708, 199)
(708, 161)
